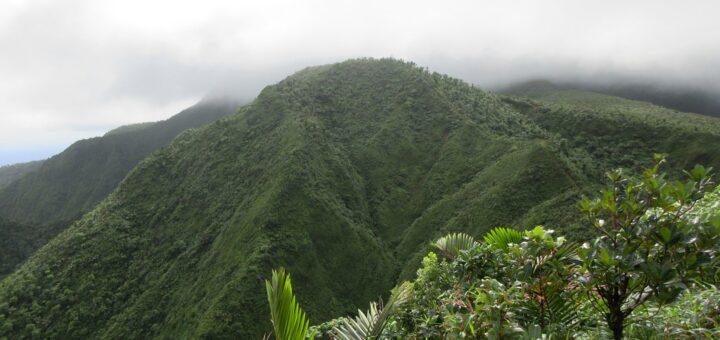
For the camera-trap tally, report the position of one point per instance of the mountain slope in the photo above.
(10, 173)
(681, 99)
(676, 98)
(617, 132)
(17, 242)
(71, 183)
(340, 173)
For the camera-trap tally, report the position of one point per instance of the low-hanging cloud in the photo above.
(76, 68)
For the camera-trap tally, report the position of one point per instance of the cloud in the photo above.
(77, 68)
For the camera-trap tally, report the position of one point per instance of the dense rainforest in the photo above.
(343, 174)
(10, 173)
(650, 274)
(40, 199)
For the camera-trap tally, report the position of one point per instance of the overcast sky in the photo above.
(72, 69)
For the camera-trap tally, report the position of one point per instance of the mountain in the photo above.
(677, 98)
(9, 173)
(60, 189)
(17, 243)
(681, 99)
(341, 173)
(618, 132)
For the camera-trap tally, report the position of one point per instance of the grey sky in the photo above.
(73, 69)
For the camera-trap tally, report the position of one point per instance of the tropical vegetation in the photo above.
(648, 274)
(40, 199)
(342, 174)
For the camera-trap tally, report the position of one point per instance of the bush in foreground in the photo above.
(649, 274)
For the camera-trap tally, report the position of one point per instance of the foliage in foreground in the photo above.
(289, 320)
(648, 249)
(657, 239)
(645, 276)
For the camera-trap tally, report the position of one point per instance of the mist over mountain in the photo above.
(514, 169)
(342, 174)
(100, 64)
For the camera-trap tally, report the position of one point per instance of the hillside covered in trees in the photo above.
(651, 273)
(342, 174)
(10, 173)
(40, 199)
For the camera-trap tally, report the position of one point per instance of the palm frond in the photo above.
(500, 238)
(289, 320)
(562, 307)
(370, 324)
(451, 245)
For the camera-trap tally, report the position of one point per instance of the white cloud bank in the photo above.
(72, 69)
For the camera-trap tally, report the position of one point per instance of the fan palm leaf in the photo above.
(500, 238)
(451, 245)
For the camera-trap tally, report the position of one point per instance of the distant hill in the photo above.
(342, 174)
(687, 100)
(10, 173)
(59, 190)
(617, 131)
(679, 98)
(129, 128)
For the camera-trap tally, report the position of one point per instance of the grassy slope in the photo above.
(10, 173)
(340, 173)
(46, 201)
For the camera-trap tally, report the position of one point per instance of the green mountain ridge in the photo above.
(619, 132)
(681, 99)
(10, 173)
(341, 173)
(128, 128)
(678, 98)
(62, 188)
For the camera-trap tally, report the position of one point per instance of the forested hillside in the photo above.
(10, 173)
(618, 132)
(677, 98)
(695, 100)
(650, 273)
(342, 174)
(52, 194)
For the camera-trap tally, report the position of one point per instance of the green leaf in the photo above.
(605, 258)
(500, 238)
(451, 245)
(665, 234)
(289, 320)
(370, 324)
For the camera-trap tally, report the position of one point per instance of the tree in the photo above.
(648, 248)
